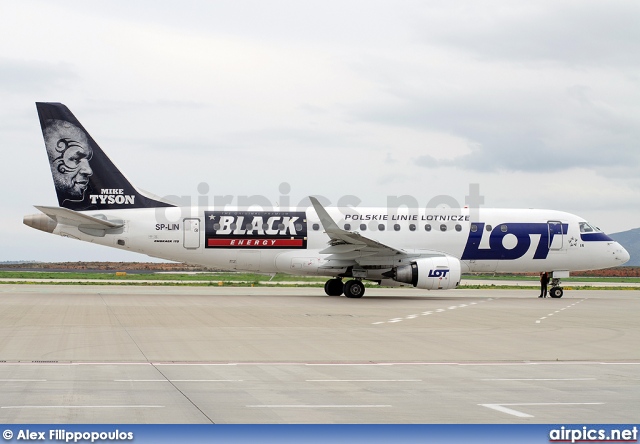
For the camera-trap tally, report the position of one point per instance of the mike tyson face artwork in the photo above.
(69, 155)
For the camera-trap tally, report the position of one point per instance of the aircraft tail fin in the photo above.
(83, 175)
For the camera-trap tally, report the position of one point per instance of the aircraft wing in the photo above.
(345, 245)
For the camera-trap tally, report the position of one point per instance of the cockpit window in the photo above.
(586, 228)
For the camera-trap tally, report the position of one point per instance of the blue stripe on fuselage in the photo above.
(595, 237)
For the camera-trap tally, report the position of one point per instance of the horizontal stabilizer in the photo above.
(92, 225)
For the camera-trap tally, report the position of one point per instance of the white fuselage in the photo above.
(484, 240)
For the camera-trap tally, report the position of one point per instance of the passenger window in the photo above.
(443, 227)
(503, 228)
(474, 228)
(347, 226)
(488, 228)
(249, 226)
(396, 227)
(265, 226)
(381, 227)
(427, 227)
(458, 227)
(280, 226)
(316, 227)
(412, 227)
(363, 227)
(234, 226)
(216, 227)
(298, 227)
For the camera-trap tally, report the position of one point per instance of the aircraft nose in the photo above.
(621, 254)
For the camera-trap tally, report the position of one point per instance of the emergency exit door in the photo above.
(191, 230)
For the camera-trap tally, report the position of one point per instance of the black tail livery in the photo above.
(84, 177)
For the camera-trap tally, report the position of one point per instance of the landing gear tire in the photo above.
(334, 287)
(354, 289)
(556, 292)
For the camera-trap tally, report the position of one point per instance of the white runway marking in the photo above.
(254, 364)
(427, 313)
(207, 380)
(329, 406)
(140, 380)
(23, 380)
(178, 380)
(539, 320)
(540, 379)
(619, 363)
(194, 363)
(364, 380)
(82, 407)
(337, 364)
(503, 409)
(506, 410)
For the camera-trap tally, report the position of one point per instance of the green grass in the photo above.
(213, 277)
(164, 284)
(259, 280)
(483, 277)
(537, 287)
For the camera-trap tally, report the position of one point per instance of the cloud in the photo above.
(26, 76)
(366, 98)
(579, 33)
(530, 127)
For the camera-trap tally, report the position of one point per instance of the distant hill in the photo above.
(17, 262)
(631, 241)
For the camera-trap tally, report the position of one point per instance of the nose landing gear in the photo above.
(556, 290)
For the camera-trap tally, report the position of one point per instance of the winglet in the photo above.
(328, 223)
(338, 235)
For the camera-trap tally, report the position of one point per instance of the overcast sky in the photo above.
(537, 102)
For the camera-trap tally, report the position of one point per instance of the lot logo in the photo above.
(252, 229)
(438, 273)
(524, 234)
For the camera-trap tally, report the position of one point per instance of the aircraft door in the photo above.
(191, 233)
(556, 235)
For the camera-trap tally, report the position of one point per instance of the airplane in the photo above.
(427, 248)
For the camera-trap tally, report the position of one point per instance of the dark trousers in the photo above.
(543, 289)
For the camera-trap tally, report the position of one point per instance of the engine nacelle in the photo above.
(431, 273)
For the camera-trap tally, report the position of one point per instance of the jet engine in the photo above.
(431, 273)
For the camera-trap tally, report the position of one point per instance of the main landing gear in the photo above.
(351, 289)
(556, 290)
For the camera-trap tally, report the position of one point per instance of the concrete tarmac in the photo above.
(117, 354)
